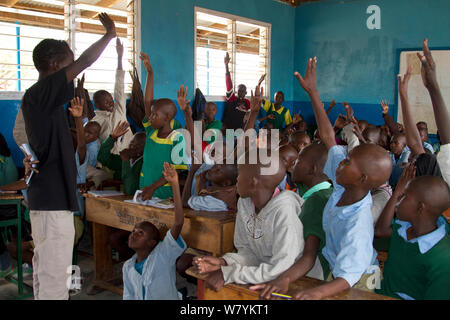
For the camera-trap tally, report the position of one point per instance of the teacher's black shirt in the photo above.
(54, 187)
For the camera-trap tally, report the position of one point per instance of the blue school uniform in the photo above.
(81, 179)
(155, 280)
(348, 230)
(92, 153)
(398, 165)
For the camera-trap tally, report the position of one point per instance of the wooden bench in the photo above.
(206, 231)
(234, 291)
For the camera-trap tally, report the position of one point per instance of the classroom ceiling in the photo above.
(49, 13)
(295, 3)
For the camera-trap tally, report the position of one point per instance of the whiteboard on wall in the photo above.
(419, 98)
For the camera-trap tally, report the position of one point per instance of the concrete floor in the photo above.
(8, 291)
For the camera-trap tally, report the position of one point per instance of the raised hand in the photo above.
(146, 61)
(108, 24)
(256, 99)
(170, 174)
(385, 106)
(408, 174)
(181, 98)
(297, 118)
(340, 122)
(331, 106)
(428, 69)
(261, 79)
(403, 83)
(350, 112)
(309, 81)
(357, 131)
(227, 59)
(80, 84)
(120, 130)
(76, 107)
(119, 47)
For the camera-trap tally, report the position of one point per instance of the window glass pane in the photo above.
(214, 37)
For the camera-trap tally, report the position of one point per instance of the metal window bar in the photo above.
(236, 43)
(72, 25)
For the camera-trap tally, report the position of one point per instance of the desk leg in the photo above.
(102, 253)
(200, 289)
(19, 248)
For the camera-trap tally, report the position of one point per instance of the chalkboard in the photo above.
(419, 97)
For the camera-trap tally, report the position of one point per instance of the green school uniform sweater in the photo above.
(311, 218)
(8, 171)
(282, 116)
(156, 152)
(127, 171)
(215, 125)
(420, 276)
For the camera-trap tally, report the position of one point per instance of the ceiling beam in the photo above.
(55, 23)
(8, 3)
(104, 4)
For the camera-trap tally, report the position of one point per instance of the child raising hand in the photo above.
(150, 273)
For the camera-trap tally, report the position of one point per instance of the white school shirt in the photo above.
(109, 120)
(268, 243)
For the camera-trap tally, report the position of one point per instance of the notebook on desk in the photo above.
(154, 202)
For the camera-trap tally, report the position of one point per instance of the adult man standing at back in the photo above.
(235, 107)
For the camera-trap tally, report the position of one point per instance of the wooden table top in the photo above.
(302, 284)
(222, 216)
(11, 196)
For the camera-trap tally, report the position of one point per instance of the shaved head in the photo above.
(288, 152)
(249, 172)
(372, 135)
(374, 162)
(433, 191)
(315, 153)
(167, 106)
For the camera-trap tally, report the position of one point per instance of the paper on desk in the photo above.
(105, 193)
(28, 151)
(154, 202)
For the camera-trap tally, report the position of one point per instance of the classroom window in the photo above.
(23, 24)
(247, 42)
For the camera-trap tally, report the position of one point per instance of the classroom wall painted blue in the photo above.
(168, 37)
(356, 64)
(8, 111)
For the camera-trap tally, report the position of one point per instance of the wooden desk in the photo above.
(15, 199)
(234, 291)
(207, 231)
(4, 197)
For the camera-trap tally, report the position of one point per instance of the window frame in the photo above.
(17, 95)
(267, 93)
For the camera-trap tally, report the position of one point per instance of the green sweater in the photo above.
(311, 218)
(420, 276)
(8, 171)
(122, 169)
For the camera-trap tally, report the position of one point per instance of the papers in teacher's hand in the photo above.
(26, 149)
(105, 193)
(154, 202)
